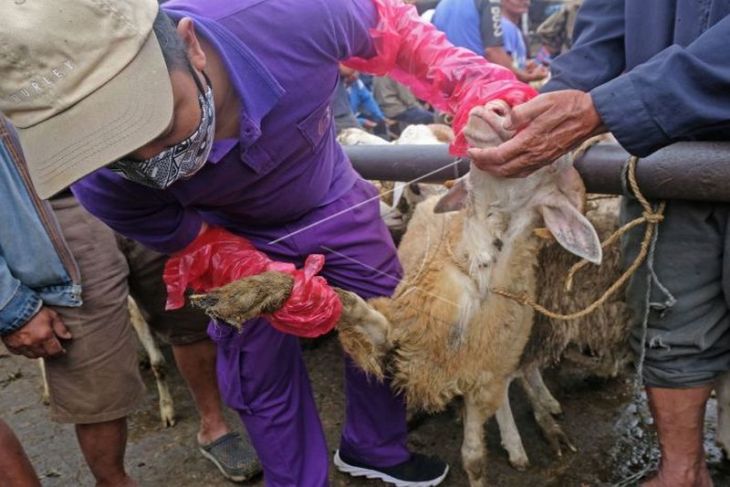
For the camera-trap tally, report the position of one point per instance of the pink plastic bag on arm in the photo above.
(313, 308)
(217, 257)
(452, 79)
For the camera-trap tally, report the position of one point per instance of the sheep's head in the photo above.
(555, 192)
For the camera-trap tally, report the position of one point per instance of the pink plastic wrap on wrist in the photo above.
(217, 257)
(452, 79)
(313, 308)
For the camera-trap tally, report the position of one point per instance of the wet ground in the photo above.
(606, 420)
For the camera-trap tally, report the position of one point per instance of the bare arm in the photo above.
(498, 55)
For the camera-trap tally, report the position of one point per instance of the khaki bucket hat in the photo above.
(83, 81)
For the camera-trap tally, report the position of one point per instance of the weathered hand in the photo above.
(548, 126)
(39, 337)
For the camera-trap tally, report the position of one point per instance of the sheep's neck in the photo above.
(492, 231)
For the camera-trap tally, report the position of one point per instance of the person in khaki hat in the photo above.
(85, 335)
(222, 117)
(90, 348)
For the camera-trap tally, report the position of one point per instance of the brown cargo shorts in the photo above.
(98, 378)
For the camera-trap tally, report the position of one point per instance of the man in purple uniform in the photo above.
(222, 117)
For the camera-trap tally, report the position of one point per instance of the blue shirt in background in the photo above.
(514, 43)
(471, 24)
(363, 102)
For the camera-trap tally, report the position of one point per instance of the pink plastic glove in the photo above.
(452, 79)
(217, 257)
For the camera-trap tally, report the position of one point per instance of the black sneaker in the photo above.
(419, 471)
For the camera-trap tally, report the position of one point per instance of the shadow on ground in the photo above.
(606, 420)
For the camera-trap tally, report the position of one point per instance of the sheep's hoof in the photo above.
(167, 415)
(246, 298)
(520, 464)
(554, 434)
(204, 301)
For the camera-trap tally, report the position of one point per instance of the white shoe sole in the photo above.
(374, 474)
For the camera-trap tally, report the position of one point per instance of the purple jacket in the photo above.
(282, 56)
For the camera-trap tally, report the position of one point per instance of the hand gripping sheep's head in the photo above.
(555, 192)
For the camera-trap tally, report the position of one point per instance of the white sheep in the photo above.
(603, 334)
(444, 332)
(598, 342)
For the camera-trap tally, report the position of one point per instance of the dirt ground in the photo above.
(606, 420)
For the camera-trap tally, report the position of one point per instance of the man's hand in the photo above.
(548, 126)
(39, 337)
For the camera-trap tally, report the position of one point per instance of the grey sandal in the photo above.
(234, 457)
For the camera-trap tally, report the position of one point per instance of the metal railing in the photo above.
(688, 170)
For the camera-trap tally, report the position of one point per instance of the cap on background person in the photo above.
(66, 73)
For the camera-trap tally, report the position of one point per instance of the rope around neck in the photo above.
(652, 219)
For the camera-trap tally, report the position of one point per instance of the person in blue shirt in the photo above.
(363, 104)
(652, 73)
(477, 25)
(27, 325)
(514, 41)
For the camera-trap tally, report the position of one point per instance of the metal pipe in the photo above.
(429, 163)
(687, 170)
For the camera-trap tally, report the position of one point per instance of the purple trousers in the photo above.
(261, 373)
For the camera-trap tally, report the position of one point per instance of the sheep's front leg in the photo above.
(477, 410)
(246, 298)
(364, 333)
(511, 439)
(722, 389)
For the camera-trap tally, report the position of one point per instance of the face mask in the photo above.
(180, 161)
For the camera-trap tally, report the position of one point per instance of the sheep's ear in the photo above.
(571, 185)
(570, 228)
(455, 199)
